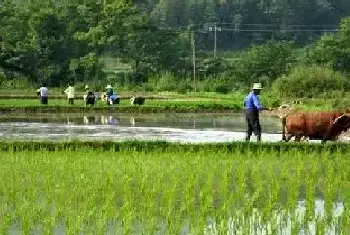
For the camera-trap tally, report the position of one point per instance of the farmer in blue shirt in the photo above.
(252, 108)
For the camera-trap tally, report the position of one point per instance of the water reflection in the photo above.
(279, 222)
(196, 128)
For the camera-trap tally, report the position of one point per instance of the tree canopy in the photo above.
(62, 41)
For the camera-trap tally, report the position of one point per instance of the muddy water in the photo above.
(190, 128)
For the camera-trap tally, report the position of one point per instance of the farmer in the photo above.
(87, 89)
(252, 108)
(111, 97)
(43, 92)
(90, 99)
(70, 94)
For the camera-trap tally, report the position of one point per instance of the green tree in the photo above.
(332, 49)
(264, 62)
(311, 81)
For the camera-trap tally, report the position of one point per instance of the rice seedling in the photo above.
(163, 188)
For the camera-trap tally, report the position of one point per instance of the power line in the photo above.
(227, 29)
(261, 25)
(252, 30)
(283, 30)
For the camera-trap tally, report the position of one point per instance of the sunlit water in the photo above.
(194, 128)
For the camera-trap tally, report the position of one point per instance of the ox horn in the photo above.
(284, 107)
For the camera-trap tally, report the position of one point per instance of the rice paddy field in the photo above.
(123, 102)
(163, 188)
(150, 106)
(165, 102)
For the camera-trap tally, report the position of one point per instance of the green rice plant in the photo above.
(150, 188)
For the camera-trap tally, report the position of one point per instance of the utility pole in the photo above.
(194, 60)
(215, 29)
(214, 40)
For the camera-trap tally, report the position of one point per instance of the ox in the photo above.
(314, 126)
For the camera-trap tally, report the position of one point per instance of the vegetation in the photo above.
(150, 187)
(146, 45)
(200, 103)
(312, 82)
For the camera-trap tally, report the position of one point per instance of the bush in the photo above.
(311, 82)
(163, 82)
(184, 87)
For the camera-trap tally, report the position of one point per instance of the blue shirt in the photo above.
(252, 101)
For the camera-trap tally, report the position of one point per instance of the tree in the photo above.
(136, 39)
(267, 61)
(332, 49)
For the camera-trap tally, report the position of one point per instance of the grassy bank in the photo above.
(157, 187)
(166, 102)
(150, 106)
(180, 105)
(163, 146)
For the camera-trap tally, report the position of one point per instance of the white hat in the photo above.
(86, 86)
(108, 87)
(257, 86)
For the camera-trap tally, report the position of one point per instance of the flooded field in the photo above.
(192, 128)
(172, 192)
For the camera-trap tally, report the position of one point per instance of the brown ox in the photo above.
(315, 126)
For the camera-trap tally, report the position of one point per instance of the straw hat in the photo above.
(257, 86)
(108, 87)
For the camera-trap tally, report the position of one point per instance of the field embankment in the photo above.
(201, 103)
(163, 146)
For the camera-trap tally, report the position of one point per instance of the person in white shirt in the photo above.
(70, 94)
(44, 94)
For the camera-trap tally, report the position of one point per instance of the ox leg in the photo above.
(298, 138)
(288, 137)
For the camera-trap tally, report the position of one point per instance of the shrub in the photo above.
(163, 82)
(311, 82)
(184, 87)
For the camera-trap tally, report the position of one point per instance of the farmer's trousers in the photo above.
(44, 99)
(253, 124)
(70, 101)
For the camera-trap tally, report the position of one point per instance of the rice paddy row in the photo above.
(163, 188)
(164, 146)
(180, 104)
(151, 106)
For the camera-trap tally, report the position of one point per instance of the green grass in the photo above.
(150, 106)
(159, 184)
(202, 101)
(124, 102)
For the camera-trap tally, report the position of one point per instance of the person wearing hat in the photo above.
(252, 108)
(111, 97)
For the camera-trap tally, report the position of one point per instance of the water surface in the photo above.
(188, 128)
